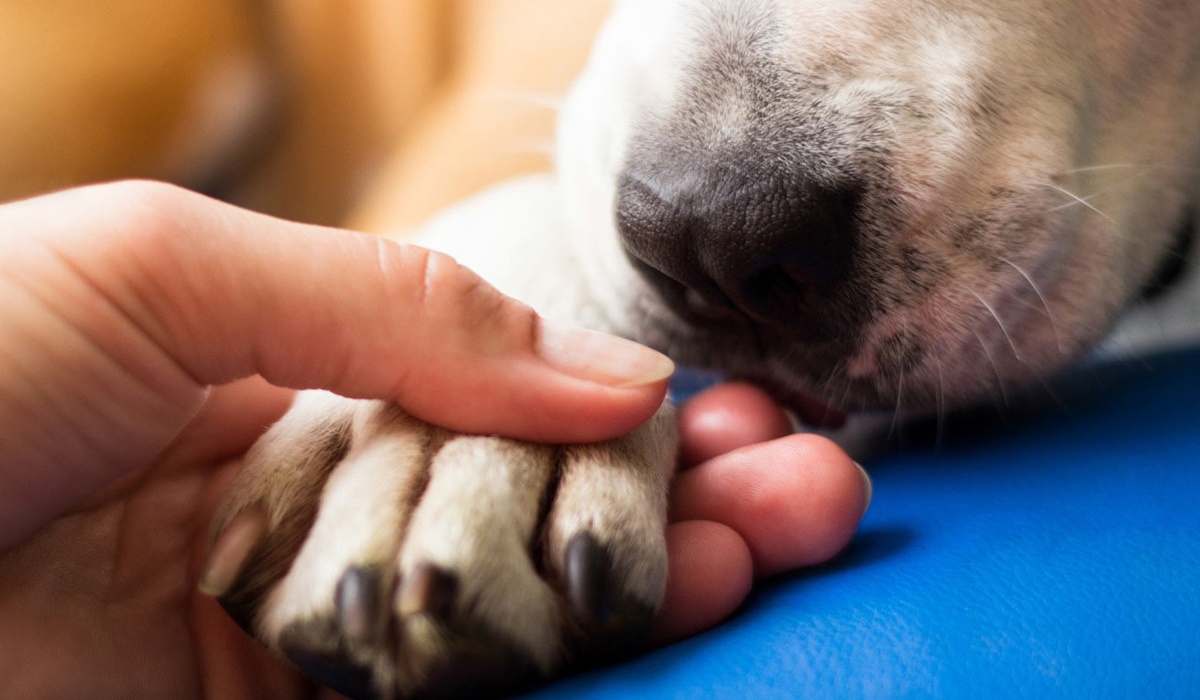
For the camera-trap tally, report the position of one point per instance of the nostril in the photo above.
(766, 246)
(773, 293)
(790, 252)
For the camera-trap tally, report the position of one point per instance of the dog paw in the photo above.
(387, 557)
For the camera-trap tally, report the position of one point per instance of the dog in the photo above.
(878, 206)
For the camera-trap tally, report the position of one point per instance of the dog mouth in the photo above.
(806, 315)
(811, 410)
(915, 358)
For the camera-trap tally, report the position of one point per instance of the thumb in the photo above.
(121, 303)
(227, 293)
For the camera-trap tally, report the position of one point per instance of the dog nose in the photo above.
(765, 247)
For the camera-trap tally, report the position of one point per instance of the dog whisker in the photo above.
(1120, 183)
(826, 390)
(995, 367)
(1076, 200)
(1041, 297)
(893, 430)
(1148, 167)
(1086, 200)
(1053, 395)
(1011, 344)
(1099, 168)
(841, 402)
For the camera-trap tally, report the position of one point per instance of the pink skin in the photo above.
(121, 304)
(120, 395)
(142, 543)
(753, 500)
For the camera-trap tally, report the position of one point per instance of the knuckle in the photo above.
(445, 290)
(442, 280)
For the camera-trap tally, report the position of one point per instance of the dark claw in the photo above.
(428, 590)
(307, 644)
(587, 582)
(611, 623)
(359, 605)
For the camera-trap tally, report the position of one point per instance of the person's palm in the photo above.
(103, 601)
(106, 595)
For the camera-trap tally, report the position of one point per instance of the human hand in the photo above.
(124, 302)
(121, 304)
(752, 499)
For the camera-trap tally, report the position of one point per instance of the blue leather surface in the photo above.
(1055, 556)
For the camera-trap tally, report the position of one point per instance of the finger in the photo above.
(727, 417)
(711, 572)
(796, 500)
(233, 417)
(120, 304)
(227, 293)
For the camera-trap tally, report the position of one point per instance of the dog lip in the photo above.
(811, 410)
(689, 303)
(719, 309)
(711, 310)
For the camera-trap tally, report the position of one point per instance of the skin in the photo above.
(148, 334)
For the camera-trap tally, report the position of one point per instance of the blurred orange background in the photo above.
(368, 113)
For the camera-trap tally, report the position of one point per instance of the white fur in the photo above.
(1030, 158)
(1092, 131)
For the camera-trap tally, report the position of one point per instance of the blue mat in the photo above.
(1052, 555)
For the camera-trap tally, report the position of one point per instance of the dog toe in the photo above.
(605, 534)
(389, 558)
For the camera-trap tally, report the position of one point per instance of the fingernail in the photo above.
(868, 489)
(599, 357)
(231, 550)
